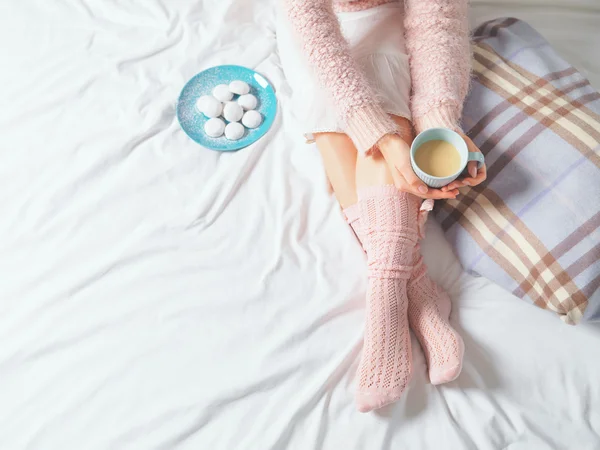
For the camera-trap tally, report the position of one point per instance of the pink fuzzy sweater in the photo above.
(437, 41)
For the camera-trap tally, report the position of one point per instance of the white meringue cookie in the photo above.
(222, 93)
(234, 131)
(214, 127)
(248, 101)
(239, 87)
(209, 106)
(232, 112)
(252, 119)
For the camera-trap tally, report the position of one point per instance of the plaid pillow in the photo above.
(533, 226)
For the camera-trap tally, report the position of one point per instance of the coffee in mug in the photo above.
(439, 155)
(438, 158)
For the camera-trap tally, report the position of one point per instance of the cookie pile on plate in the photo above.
(230, 110)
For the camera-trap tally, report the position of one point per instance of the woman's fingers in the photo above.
(480, 178)
(397, 155)
(456, 184)
(406, 181)
(399, 181)
(437, 194)
(417, 186)
(476, 176)
(472, 169)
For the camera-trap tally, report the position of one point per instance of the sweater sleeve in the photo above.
(438, 44)
(318, 31)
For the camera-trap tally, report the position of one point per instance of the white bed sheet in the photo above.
(157, 295)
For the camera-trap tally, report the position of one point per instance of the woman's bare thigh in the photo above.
(345, 169)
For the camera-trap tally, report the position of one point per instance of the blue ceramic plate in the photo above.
(192, 121)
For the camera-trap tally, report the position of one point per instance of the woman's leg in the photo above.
(388, 223)
(339, 158)
(428, 306)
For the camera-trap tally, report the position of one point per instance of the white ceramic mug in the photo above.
(443, 134)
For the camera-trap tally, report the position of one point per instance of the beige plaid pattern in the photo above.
(504, 237)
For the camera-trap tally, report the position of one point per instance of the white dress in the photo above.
(376, 40)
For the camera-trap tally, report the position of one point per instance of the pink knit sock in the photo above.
(444, 349)
(444, 304)
(352, 214)
(428, 313)
(389, 226)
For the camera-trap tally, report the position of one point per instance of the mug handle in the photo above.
(476, 156)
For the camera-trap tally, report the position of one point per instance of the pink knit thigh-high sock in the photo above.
(444, 354)
(444, 304)
(428, 313)
(385, 367)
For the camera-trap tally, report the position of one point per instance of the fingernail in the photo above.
(422, 189)
(467, 183)
(472, 171)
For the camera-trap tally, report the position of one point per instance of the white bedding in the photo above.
(157, 295)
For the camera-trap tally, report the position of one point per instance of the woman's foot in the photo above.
(428, 313)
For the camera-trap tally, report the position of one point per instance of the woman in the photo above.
(353, 65)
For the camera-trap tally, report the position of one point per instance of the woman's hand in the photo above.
(396, 152)
(476, 176)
